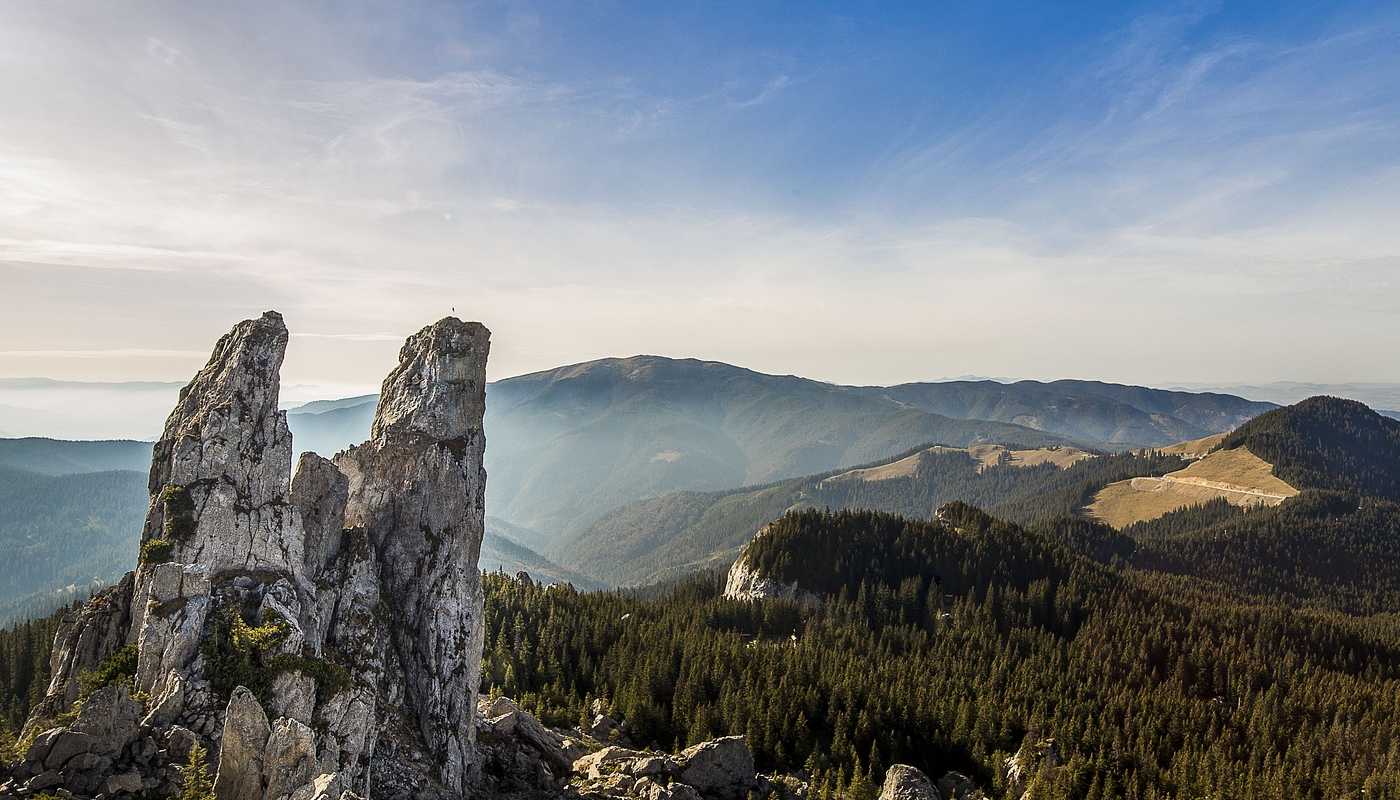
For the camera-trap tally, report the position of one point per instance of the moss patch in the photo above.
(177, 507)
(157, 551)
(119, 666)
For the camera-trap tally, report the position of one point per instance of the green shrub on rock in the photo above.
(157, 551)
(119, 666)
(198, 785)
(178, 509)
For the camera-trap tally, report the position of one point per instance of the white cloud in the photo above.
(1192, 192)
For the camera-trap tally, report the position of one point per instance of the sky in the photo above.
(866, 193)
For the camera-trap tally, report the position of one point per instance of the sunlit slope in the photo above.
(1237, 476)
(986, 456)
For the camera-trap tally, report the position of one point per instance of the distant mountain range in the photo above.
(571, 446)
(567, 445)
(1383, 397)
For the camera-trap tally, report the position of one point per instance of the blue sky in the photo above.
(1151, 193)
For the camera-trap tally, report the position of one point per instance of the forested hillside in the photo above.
(1089, 411)
(670, 534)
(935, 650)
(63, 536)
(1327, 443)
(24, 671)
(60, 457)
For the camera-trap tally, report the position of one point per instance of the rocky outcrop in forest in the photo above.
(745, 582)
(318, 637)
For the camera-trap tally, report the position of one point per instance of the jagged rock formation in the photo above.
(319, 638)
(746, 583)
(417, 489)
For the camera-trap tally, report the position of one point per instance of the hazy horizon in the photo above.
(87, 410)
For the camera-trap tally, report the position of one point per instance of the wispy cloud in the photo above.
(767, 92)
(706, 199)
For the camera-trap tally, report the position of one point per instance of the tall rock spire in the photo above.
(316, 632)
(219, 473)
(417, 489)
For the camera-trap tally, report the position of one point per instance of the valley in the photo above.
(1078, 554)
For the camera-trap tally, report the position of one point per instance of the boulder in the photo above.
(721, 767)
(603, 728)
(246, 730)
(325, 786)
(109, 718)
(611, 760)
(903, 782)
(168, 704)
(66, 746)
(179, 741)
(125, 783)
(505, 718)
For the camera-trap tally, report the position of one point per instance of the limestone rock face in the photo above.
(319, 491)
(746, 583)
(246, 730)
(417, 489)
(346, 597)
(82, 642)
(903, 782)
(226, 448)
(721, 767)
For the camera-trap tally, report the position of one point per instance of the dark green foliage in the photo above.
(119, 666)
(24, 667)
(177, 508)
(1090, 538)
(1322, 548)
(239, 654)
(1154, 686)
(1327, 443)
(157, 551)
(1186, 520)
(825, 552)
